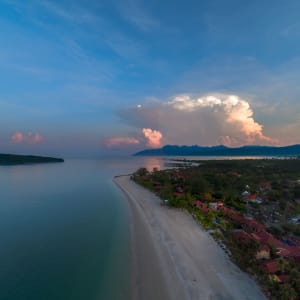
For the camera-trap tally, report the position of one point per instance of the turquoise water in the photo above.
(64, 231)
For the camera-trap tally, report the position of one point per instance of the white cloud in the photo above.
(233, 115)
(135, 12)
(209, 120)
(153, 137)
(120, 142)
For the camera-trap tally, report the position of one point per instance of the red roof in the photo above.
(274, 242)
(237, 218)
(205, 209)
(283, 278)
(253, 226)
(264, 248)
(256, 237)
(270, 266)
(232, 214)
(228, 211)
(202, 206)
(294, 251)
(282, 252)
(242, 236)
(265, 237)
(262, 236)
(252, 197)
(198, 203)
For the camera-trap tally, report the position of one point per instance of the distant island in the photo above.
(12, 159)
(173, 150)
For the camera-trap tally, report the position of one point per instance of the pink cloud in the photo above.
(17, 137)
(153, 137)
(207, 120)
(230, 118)
(28, 138)
(37, 138)
(121, 141)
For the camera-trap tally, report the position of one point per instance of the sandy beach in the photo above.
(174, 258)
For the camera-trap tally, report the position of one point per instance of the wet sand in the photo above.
(174, 258)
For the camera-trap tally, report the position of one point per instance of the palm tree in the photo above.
(283, 265)
(286, 292)
(295, 279)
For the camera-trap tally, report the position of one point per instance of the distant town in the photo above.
(250, 207)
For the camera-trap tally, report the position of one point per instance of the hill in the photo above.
(173, 150)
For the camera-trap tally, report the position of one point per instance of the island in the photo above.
(14, 159)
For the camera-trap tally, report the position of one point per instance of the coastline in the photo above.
(174, 258)
(147, 279)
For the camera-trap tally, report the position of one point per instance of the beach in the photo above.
(174, 258)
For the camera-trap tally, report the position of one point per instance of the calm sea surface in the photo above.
(64, 230)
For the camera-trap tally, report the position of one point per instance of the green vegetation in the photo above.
(224, 196)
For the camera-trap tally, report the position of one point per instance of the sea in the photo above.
(64, 230)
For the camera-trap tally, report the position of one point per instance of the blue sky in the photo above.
(69, 70)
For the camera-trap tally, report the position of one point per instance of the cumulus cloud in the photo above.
(208, 120)
(153, 137)
(120, 141)
(143, 137)
(27, 138)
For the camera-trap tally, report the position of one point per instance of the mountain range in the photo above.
(221, 150)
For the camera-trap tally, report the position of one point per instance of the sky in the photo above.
(91, 78)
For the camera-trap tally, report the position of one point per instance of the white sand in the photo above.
(174, 258)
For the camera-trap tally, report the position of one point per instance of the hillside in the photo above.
(173, 150)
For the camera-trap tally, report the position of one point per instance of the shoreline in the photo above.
(174, 258)
(147, 279)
